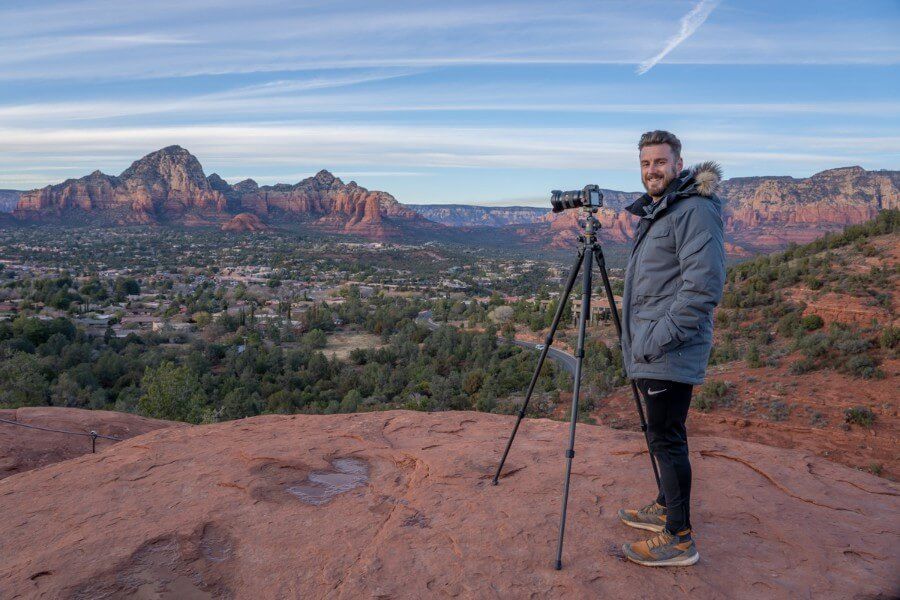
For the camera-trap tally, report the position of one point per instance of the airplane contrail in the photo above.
(689, 24)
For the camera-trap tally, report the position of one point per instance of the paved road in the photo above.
(563, 359)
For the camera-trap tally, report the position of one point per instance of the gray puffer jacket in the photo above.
(674, 279)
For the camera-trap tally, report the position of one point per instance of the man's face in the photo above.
(658, 168)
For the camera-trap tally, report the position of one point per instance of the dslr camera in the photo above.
(590, 197)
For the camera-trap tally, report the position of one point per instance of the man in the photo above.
(673, 282)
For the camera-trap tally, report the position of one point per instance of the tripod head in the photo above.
(591, 225)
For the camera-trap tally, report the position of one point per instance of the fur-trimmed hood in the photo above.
(702, 179)
(707, 176)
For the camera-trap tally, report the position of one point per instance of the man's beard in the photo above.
(656, 186)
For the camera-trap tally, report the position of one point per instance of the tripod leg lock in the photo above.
(579, 353)
(570, 454)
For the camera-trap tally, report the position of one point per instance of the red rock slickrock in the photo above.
(399, 505)
(23, 449)
(245, 222)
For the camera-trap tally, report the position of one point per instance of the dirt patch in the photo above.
(342, 343)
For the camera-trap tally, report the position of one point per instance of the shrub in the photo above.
(890, 337)
(753, 359)
(817, 419)
(813, 282)
(863, 366)
(812, 322)
(724, 352)
(789, 324)
(852, 345)
(703, 404)
(875, 469)
(778, 410)
(859, 415)
(813, 346)
(714, 394)
(804, 365)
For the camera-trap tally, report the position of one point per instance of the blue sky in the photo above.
(465, 102)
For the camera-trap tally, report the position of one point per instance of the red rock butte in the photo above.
(169, 186)
(399, 505)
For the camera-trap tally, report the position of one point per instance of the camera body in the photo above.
(589, 197)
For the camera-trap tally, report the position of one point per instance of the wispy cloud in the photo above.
(689, 24)
(139, 39)
(480, 99)
(401, 150)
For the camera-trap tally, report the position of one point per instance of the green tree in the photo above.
(126, 286)
(172, 393)
(21, 382)
(351, 401)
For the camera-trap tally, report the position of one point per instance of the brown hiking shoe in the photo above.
(651, 517)
(664, 550)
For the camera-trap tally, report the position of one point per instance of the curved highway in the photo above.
(563, 359)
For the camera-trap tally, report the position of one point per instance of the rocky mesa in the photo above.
(328, 203)
(169, 187)
(773, 211)
(399, 505)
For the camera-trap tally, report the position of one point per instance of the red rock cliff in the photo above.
(162, 186)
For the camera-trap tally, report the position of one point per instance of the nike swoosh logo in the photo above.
(655, 392)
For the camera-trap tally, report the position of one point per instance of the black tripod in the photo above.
(589, 251)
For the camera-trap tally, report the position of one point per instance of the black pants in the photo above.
(667, 409)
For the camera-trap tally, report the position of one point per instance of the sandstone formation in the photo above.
(399, 505)
(23, 449)
(329, 204)
(169, 186)
(763, 213)
(164, 186)
(244, 222)
(800, 210)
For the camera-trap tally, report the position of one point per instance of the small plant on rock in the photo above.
(859, 415)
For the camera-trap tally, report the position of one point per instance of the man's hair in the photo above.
(653, 138)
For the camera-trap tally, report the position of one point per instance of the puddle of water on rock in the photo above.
(322, 486)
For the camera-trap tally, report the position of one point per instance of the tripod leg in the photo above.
(614, 311)
(573, 275)
(579, 359)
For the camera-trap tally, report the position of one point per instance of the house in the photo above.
(600, 310)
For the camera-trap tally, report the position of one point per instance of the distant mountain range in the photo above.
(169, 187)
(761, 213)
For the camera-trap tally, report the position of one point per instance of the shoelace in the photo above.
(650, 509)
(660, 540)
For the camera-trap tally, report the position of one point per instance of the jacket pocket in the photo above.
(660, 231)
(649, 310)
